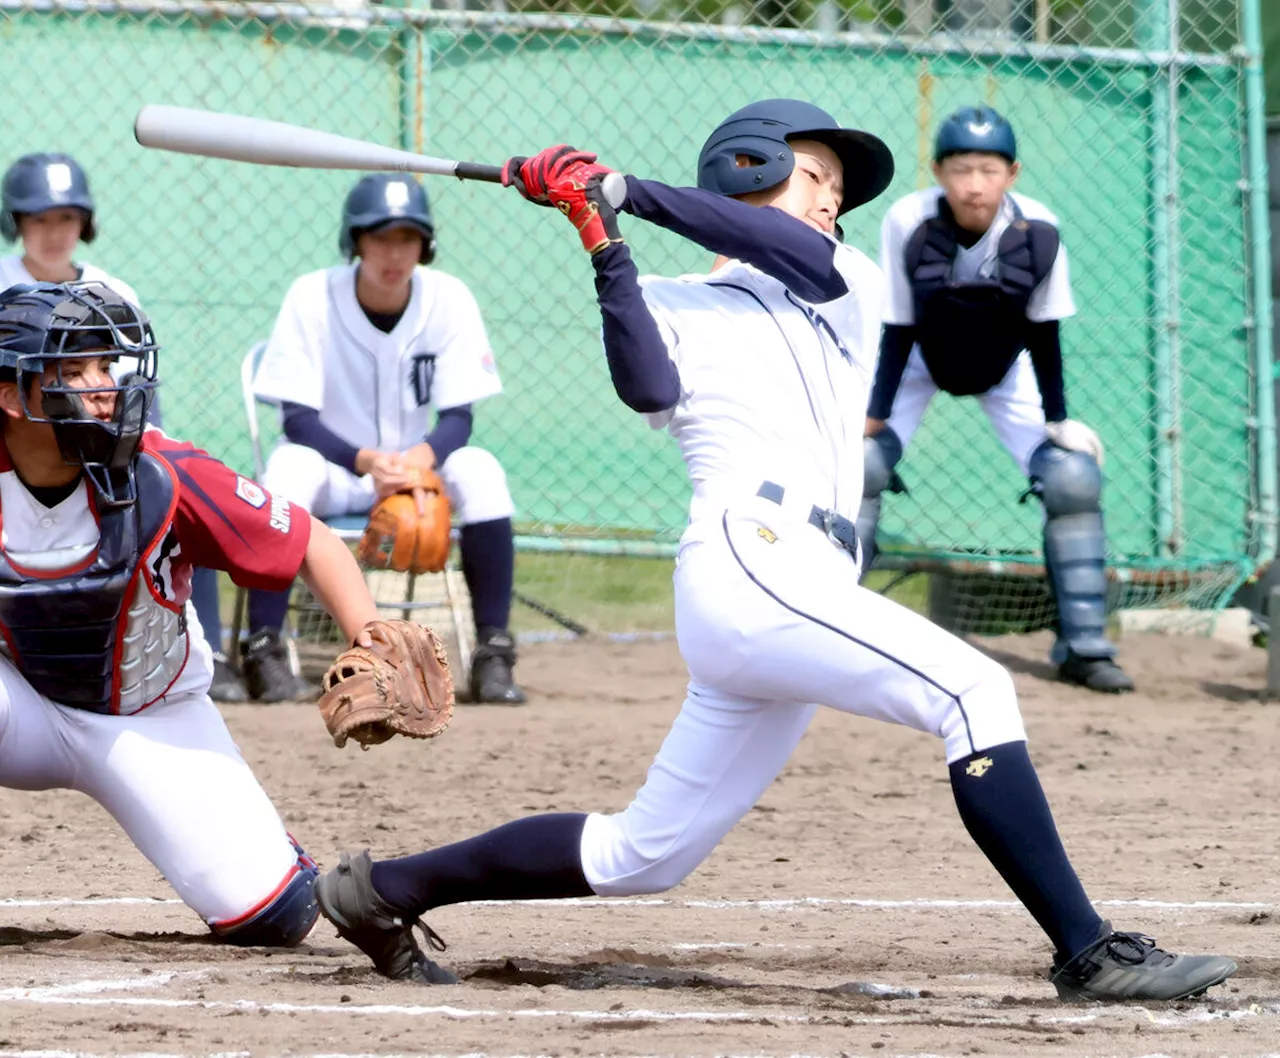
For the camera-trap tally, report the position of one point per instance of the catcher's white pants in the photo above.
(1013, 406)
(473, 478)
(771, 620)
(172, 778)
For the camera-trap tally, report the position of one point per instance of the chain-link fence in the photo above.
(1131, 122)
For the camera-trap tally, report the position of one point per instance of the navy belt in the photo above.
(838, 529)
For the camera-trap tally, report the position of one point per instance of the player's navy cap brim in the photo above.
(866, 159)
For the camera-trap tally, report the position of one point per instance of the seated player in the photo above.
(104, 674)
(46, 205)
(359, 356)
(977, 286)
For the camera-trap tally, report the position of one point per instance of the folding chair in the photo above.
(348, 528)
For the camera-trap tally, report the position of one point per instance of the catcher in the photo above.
(359, 356)
(104, 677)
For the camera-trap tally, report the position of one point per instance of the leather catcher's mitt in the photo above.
(398, 686)
(409, 531)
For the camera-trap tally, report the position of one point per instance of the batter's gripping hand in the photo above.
(409, 531)
(532, 176)
(578, 195)
(398, 685)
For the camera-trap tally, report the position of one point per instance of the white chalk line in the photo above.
(780, 904)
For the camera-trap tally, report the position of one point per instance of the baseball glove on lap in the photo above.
(399, 685)
(409, 531)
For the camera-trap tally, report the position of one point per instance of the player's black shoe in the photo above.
(1098, 674)
(227, 686)
(265, 664)
(348, 899)
(491, 676)
(1119, 966)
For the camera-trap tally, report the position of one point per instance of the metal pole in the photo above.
(1260, 265)
(1154, 34)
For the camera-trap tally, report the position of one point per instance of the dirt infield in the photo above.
(847, 914)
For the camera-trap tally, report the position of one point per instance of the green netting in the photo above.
(1132, 126)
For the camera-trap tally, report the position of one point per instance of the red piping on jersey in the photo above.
(227, 924)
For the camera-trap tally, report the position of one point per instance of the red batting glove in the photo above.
(532, 176)
(577, 194)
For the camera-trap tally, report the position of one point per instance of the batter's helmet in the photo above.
(380, 200)
(45, 324)
(761, 131)
(975, 129)
(39, 182)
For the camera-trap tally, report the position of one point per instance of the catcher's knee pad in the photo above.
(880, 454)
(1066, 482)
(282, 920)
(477, 486)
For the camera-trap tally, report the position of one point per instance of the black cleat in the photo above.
(267, 675)
(227, 686)
(1123, 966)
(1098, 674)
(348, 899)
(491, 664)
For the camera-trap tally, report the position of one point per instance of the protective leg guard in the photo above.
(284, 919)
(1069, 485)
(880, 454)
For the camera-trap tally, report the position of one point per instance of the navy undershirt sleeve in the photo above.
(302, 426)
(643, 375)
(798, 256)
(896, 342)
(1045, 345)
(451, 431)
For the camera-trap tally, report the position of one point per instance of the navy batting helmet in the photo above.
(761, 131)
(380, 200)
(975, 129)
(39, 182)
(46, 324)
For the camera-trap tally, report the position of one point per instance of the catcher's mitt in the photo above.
(409, 531)
(398, 686)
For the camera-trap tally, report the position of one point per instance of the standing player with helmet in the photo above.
(46, 205)
(104, 675)
(977, 286)
(760, 371)
(359, 356)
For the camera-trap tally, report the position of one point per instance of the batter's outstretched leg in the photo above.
(1069, 485)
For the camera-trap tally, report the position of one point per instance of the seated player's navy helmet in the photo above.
(42, 326)
(39, 182)
(761, 131)
(380, 200)
(975, 129)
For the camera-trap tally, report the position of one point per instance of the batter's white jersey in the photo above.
(771, 388)
(377, 390)
(1051, 300)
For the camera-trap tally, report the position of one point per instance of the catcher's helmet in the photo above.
(39, 182)
(46, 324)
(761, 131)
(975, 129)
(380, 200)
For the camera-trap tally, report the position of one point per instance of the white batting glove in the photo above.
(1075, 437)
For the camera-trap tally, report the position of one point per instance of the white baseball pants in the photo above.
(473, 478)
(172, 778)
(772, 622)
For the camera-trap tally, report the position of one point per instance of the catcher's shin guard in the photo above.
(285, 918)
(1069, 485)
(881, 454)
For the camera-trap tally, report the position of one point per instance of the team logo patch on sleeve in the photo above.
(250, 491)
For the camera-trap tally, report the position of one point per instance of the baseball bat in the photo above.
(237, 138)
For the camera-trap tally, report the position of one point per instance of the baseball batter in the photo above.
(104, 673)
(46, 205)
(360, 356)
(761, 372)
(978, 283)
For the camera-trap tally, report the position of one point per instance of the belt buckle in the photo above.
(829, 527)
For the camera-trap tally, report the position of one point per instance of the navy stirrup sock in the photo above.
(204, 597)
(488, 566)
(267, 609)
(1004, 809)
(536, 858)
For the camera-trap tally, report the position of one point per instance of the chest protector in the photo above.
(971, 332)
(106, 636)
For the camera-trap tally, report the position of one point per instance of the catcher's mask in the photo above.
(44, 326)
